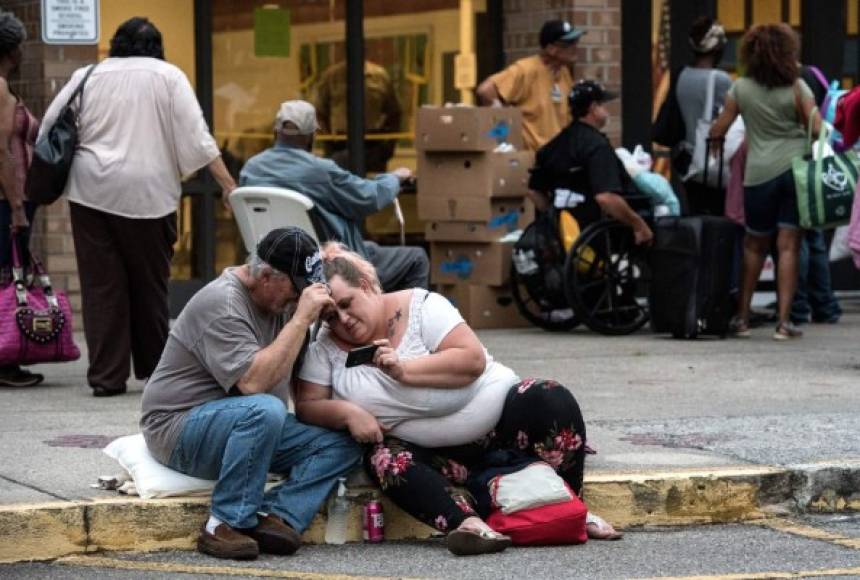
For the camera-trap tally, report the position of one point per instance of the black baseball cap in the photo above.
(558, 31)
(586, 92)
(292, 251)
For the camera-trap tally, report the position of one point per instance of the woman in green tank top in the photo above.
(776, 106)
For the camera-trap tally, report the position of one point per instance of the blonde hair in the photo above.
(338, 260)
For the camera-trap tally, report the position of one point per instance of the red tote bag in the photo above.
(535, 507)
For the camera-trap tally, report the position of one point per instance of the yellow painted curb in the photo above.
(41, 531)
(676, 497)
(684, 496)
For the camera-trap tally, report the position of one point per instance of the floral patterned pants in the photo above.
(540, 417)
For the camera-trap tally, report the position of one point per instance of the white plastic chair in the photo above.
(259, 210)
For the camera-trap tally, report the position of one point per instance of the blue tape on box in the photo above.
(461, 267)
(508, 220)
(500, 131)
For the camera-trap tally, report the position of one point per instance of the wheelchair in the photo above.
(596, 275)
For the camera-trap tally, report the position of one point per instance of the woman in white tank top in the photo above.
(432, 403)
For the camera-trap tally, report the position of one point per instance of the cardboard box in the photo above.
(466, 209)
(484, 306)
(474, 174)
(507, 215)
(467, 128)
(463, 262)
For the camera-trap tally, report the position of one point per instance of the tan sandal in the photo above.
(599, 529)
(472, 542)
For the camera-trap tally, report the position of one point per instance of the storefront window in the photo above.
(265, 53)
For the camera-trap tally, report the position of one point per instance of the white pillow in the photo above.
(151, 478)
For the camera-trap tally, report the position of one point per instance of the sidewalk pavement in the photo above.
(687, 432)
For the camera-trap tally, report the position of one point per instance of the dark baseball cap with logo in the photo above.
(292, 251)
(586, 92)
(560, 31)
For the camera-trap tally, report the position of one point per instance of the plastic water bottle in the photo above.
(338, 512)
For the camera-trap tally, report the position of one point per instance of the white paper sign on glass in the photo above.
(70, 21)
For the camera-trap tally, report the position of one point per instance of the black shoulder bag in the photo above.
(54, 151)
(668, 129)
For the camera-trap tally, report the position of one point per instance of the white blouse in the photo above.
(426, 416)
(141, 131)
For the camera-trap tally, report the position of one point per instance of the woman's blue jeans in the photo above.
(238, 440)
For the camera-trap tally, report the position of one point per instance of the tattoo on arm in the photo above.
(392, 322)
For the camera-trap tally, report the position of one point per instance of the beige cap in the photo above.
(301, 114)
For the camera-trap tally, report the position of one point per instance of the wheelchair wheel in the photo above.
(536, 312)
(606, 277)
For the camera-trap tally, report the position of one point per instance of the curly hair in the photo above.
(338, 260)
(12, 33)
(137, 37)
(769, 54)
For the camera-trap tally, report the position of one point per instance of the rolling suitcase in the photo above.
(691, 265)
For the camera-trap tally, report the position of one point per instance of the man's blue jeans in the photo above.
(814, 295)
(238, 440)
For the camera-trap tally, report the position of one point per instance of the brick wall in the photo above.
(599, 55)
(43, 73)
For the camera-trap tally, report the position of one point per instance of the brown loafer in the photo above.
(274, 536)
(227, 543)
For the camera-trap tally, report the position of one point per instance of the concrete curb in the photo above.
(667, 498)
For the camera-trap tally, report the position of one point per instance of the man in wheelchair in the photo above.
(579, 170)
(571, 265)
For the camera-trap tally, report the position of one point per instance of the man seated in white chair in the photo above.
(341, 199)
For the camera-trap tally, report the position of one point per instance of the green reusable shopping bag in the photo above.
(824, 185)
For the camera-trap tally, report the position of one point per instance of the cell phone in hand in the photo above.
(361, 355)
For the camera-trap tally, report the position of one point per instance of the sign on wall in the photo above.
(70, 21)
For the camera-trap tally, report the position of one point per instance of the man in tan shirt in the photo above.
(538, 84)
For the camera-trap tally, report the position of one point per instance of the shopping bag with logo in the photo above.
(824, 183)
(35, 321)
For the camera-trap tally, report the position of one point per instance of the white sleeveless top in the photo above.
(426, 416)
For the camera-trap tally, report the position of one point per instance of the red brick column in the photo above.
(599, 55)
(45, 70)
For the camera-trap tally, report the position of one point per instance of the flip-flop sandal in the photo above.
(466, 542)
(599, 529)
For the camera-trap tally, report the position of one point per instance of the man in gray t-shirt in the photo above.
(215, 407)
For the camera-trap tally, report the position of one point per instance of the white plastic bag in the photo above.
(701, 157)
(642, 158)
(636, 162)
(533, 486)
(839, 249)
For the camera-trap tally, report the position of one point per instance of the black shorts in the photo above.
(771, 205)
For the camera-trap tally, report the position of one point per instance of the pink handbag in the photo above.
(35, 321)
(735, 189)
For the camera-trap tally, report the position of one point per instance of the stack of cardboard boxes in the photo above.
(470, 197)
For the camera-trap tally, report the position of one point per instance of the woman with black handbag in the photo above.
(140, 131)
(695, 82)
(18, 130)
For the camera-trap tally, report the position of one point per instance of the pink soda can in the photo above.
(374, 522)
